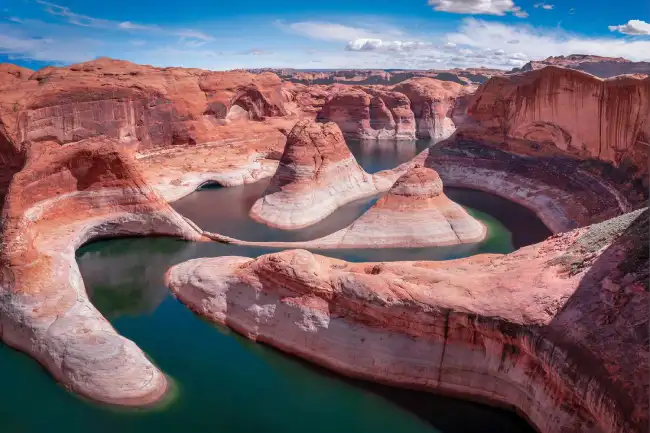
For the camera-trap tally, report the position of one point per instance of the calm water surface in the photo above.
(224, 383)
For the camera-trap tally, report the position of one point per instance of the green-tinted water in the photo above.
(222, 382)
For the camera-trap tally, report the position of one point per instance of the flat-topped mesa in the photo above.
(556, 330)
(368, 113)
(63, 197)
(432, 103)
(316, 175)
(415, 212)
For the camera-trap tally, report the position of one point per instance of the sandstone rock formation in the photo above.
(467, 76)
(432, 102)
(603, 67)
(175, 119)
(557, 330)
(579, 114)
(370, 113)
(415, 212)
(316, 175)
(64, 196)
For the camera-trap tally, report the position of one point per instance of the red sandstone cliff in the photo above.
(63, 197)
(577, 113)
(564, 341)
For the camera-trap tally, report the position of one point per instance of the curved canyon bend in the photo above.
(286, 251)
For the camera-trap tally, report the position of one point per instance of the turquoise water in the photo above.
(222, 382)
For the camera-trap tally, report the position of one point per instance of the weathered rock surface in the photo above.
(370, 113)
(415, 212)
(316, 175)
(604, 67)
(467, 76)
(579, 114)
(564, 341)
(432, 102)
(63, 197)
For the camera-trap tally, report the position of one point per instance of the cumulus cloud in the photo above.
(544, 6)
(381, 45)
(632, 27)
(478, 7)
(542, 43)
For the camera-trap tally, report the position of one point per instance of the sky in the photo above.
(331, 34)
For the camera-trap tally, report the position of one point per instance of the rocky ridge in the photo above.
(565, 343)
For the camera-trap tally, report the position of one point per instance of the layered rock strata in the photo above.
(415, 212)
(577, 113)
(63, 197)
(370, 113)
(556, 330)
(316, 175)
(432, 103)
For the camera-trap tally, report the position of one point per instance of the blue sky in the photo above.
(218, 34)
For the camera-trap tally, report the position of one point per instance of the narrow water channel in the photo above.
(224, 383)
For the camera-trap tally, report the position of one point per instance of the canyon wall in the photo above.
(564, 342)
(578, 113)
(63, 197)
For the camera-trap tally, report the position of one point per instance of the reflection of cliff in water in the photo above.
(122, 277)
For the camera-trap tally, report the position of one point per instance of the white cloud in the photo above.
(128, 25)
(544, 6)
(15, 20)
(542, 43)
(329, 31)
(381, 45)
(633, 27)
(478, 7)
(87, 21)
(256, 52)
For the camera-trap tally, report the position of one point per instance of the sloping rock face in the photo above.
(137, 105)
(565, 342)
(579, 114)
(603, 67)
(414, 213)
(565, 192)
(63, 197)
(370, 113)
(174, 115)
(432, 102)
(316, 175)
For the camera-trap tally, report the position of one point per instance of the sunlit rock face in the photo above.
(63, 197)
(432, 102)
(576, 112)
(557, 330)
(415, 108)
(370, 113)
(415, 212)
(316, 175)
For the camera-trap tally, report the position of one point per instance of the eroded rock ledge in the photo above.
(62, 198)
(556, 330)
